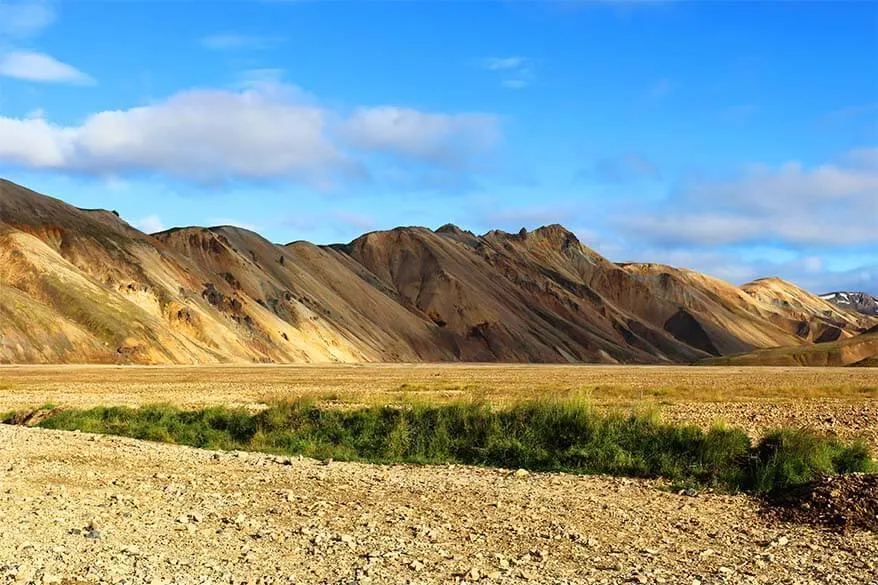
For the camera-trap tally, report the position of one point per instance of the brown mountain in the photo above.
(84, 286)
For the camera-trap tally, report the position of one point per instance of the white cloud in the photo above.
(832, 204)
(441, 139)
(235, 41)
(705, 228)
(150, 224)
(33, 142)
(32, 66)
(24, 18)
(812, 264)
(266, 132)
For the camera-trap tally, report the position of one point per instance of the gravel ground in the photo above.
(849, 420)
(81, 508)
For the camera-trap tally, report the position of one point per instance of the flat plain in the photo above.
(843, 401)
(81, 508)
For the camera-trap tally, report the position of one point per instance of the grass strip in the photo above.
(543, 435)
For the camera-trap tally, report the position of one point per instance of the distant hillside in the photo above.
(853, 301)
(84, 286)
(860, 351)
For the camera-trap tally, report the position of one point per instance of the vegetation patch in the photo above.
(545, 435)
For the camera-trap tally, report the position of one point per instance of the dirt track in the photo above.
(115, 510)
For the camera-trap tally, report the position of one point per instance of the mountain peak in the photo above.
(860, 302)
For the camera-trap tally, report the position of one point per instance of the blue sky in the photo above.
(737, 138)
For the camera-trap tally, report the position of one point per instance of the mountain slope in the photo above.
(818, 319)
(84, 286)
(860, 351)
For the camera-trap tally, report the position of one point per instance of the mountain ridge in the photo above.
(860, 302)
(96, 289)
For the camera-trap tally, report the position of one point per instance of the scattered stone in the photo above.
(277, 525)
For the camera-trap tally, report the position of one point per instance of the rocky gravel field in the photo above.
(849, 420)
(81, 508)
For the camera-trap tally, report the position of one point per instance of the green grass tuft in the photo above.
(545, 435)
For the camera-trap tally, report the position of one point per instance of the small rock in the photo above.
(521, 473)
(347, 539)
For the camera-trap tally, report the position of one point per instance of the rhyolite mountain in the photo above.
(80, 285)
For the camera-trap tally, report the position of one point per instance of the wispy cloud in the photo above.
(21, 19)
(39, 67)
(514, 72)
(235, 41)
(150, 224)
(503, 63)
(254, 78)
(445, 140)
(833, 204)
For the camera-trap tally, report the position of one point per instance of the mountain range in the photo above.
(80, 285)
(854, 301)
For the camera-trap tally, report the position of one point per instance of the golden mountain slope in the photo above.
(818, 319)
(859, 350)
(84, 286)
(739, 319)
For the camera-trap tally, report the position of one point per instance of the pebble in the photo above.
(275, 525)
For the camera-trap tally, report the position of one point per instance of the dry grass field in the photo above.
(843, 401)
